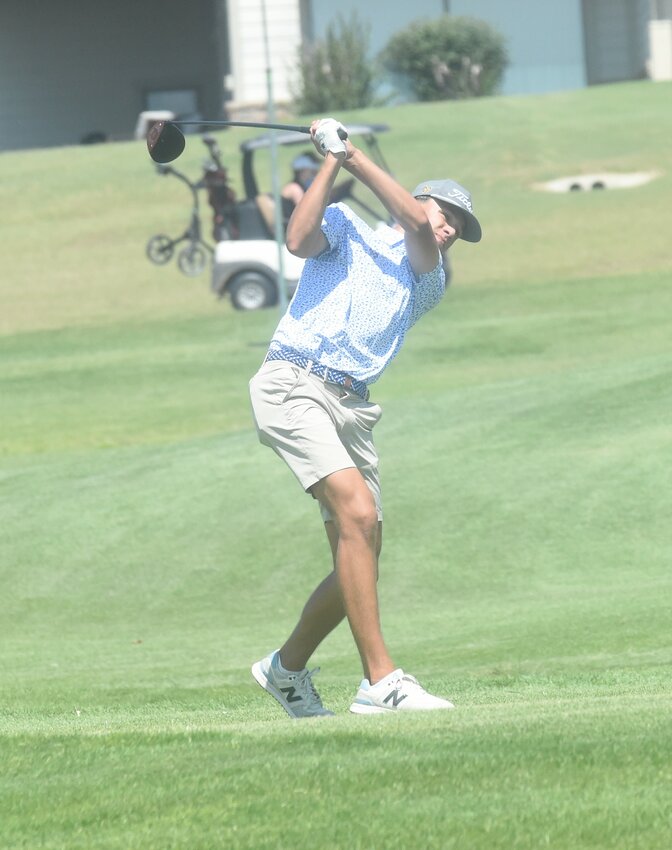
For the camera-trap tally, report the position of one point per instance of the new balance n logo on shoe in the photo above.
(291, 694)
(394, 696)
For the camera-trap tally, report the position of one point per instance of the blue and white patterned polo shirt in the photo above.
(356, 301)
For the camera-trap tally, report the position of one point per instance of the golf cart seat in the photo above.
(251, 223)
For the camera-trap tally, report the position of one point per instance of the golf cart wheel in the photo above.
(252, 291)
(159, 249)
(192, 260)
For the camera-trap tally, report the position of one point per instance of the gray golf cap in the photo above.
(453, 195)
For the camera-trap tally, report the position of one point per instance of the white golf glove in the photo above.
(328, 139)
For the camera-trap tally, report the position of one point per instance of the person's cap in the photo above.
(453, 195)
(304, 161)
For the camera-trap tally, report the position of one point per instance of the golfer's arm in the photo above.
(421, 245)
(304, 230)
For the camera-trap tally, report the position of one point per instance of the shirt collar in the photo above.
(389, 234)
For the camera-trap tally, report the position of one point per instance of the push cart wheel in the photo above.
(159, 249)
(192, 260)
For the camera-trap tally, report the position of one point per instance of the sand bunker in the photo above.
(605, 180)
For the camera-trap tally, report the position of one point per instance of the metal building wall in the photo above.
(616, 47)
(385, 16)
(75, 67)
(544, 38)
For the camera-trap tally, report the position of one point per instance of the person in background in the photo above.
(304, 168)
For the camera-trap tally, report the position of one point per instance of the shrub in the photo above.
(448, 58)
(335, 73)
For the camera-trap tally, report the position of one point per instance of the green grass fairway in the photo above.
(151, 549)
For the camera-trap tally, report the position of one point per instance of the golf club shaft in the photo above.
(165, 140)
(259, 124)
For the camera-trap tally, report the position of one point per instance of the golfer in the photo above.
(360, 292)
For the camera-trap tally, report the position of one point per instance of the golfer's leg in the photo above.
(354, 511)
(321, 614)
(332, 534)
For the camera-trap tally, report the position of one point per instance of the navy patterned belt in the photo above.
(334, 376)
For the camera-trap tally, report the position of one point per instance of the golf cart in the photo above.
(246, 261)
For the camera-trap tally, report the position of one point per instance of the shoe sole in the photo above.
(365, 708)
(362, 708)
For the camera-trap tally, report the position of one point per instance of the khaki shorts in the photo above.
(316, 427)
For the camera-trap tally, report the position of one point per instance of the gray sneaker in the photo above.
(396, 692)
(294, 691)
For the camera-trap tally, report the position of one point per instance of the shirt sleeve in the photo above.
(334, 224)
(428, 291)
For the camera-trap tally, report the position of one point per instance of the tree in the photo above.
(448, 58)
(335, 73)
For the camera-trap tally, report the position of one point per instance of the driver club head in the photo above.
(165, 142)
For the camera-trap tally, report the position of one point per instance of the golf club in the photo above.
(165, 140)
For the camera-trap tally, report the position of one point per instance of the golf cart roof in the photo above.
(293, 138)
(367, 131)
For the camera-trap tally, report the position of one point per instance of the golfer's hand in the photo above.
(326, 139)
